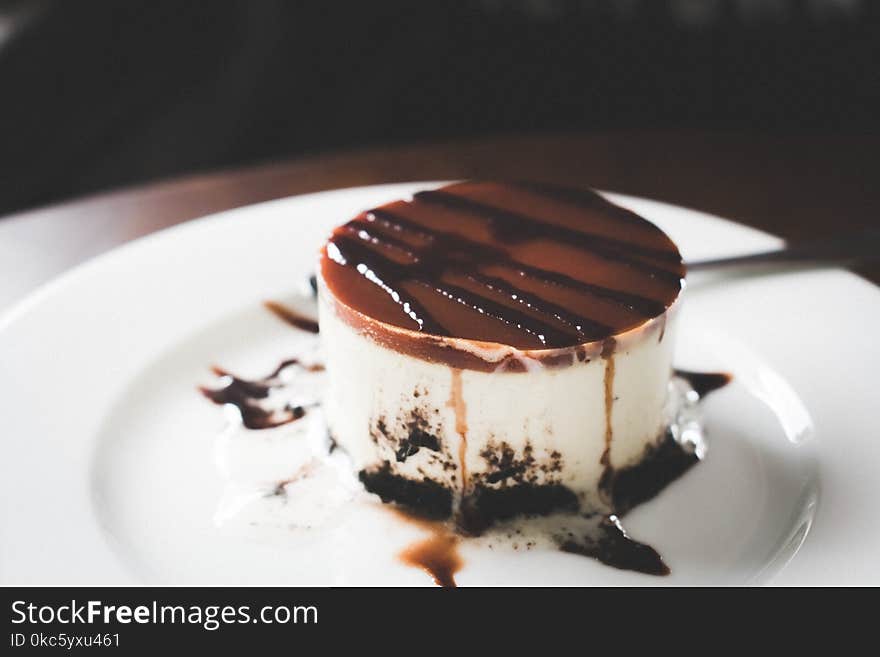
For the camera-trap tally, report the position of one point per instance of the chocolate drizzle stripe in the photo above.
(386, 242)
(510, 226)
(642, 305)
(425, 274)
(399, 222)
(386, 273)
(548, 334)
(583, 198)
(487, 255)
(579, 322)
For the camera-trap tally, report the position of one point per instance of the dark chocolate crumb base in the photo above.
(507, 493)
(479, 510)
(405, 437)
(488, 503)
(485, 506)
(416, 439)
(425, 498)
(514, 483)
(412, 431)
(662, 463)
(504, 466)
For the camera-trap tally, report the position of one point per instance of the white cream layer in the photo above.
(556, 411)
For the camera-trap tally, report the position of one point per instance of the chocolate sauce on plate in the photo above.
(437, 554)
(292, 317)
(610, 544)
(247, 394)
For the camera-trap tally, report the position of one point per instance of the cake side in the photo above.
(441, 439)
(498, 348)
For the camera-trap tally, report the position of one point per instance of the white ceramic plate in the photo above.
(107, 470)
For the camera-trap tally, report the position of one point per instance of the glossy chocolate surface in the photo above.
(531, 266)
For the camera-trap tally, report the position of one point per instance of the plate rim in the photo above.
(21, 308)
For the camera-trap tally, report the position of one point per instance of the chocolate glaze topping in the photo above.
(527, 265)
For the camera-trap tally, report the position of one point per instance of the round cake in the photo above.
(498, 348)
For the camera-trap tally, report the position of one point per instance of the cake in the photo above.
(498, 348)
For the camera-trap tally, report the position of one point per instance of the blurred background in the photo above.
(96, 94)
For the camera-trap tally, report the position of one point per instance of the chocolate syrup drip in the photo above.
(513, 227)
(704, 382)
(459, 409)
(438, 554)
(291, 317)
(608, 387)
(246, 394)
(460, 262)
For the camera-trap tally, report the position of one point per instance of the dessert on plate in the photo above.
(496, 348)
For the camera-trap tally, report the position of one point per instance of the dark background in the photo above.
(97, 94)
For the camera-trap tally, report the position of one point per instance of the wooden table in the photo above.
(797, 187)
